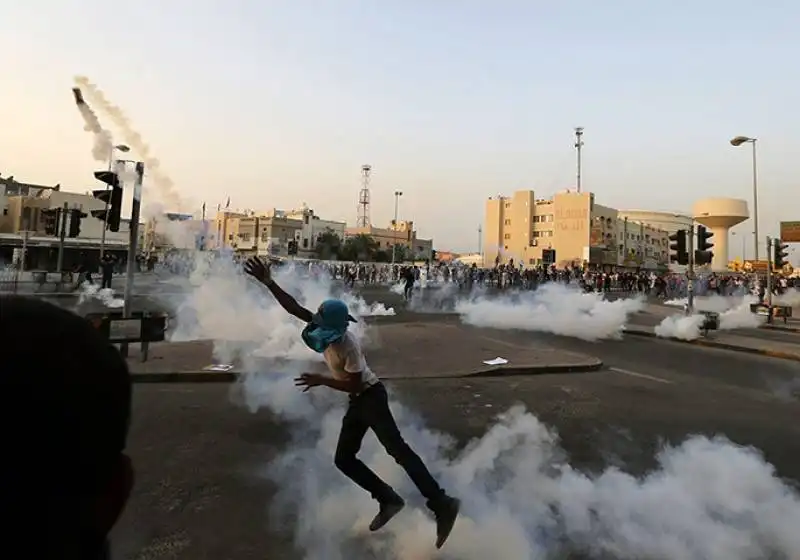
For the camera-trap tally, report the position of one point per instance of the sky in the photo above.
(275, 103)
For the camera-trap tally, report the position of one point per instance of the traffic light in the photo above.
(780, 255)
(677, 247)
(112, 197)
(703, 254)
(75, 217)
(50, 220)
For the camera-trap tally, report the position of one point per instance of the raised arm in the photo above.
(256, 268)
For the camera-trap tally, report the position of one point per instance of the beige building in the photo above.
(400, 233)
(21, 213)
(269, 232)
(519, 227)
(313, 227)
(251, 234)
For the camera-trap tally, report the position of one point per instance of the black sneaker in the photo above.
(446, 513)
(385, 514)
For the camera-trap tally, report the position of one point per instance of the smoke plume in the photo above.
(734, 313)
(166, 187)
(101, 149)
(708, 498)
(552, 308)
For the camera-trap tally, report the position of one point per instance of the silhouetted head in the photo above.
(65, 400)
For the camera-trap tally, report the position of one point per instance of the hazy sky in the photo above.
(279, 102)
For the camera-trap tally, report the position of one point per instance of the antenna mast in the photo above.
(363, 198)
(578, 146)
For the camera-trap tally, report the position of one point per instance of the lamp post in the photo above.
(738, 141)
(397, 195)
(118, 148)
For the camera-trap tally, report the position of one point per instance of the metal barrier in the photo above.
(142, 327)
(784, 311)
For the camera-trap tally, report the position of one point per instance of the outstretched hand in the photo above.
(308, 380)
(256, 268)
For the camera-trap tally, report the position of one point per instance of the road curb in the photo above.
(231, 376)
(186, 377)
(781, 329)
(795, 357)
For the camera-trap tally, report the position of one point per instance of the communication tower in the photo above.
(363, 198)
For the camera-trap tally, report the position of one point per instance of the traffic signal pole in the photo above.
(690, 272)
(132, 249)
(770, 241)
(62, 217)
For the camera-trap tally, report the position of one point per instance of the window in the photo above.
(305, 242)
(507, 222)
(507, 236)
(264, 235)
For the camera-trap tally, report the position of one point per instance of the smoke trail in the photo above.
(166, 187)
(101, 149)
(708, 499)
(552, 308)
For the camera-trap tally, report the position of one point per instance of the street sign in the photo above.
(790, 232)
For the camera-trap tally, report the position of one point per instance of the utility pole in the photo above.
(690, 273)
(62, 221)
(578, 146)
(770, 241)
(132, 249)
(397, 195)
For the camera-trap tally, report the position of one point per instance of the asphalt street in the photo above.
(200, 458)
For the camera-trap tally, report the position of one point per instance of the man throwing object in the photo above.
(326, 332)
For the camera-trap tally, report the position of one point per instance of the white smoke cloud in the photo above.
(102, 146)
(106, 296)
(682, 327)
(707, 499)
(734, 313)
(165, 187)
(552, 308)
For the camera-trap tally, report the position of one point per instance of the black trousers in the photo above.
(106, 282)
(369, 410)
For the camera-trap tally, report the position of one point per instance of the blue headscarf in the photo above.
(328, 325)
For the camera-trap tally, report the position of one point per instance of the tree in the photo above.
(401, 253)
(327, 246)
(361, 247)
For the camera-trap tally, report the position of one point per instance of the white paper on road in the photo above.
(218, 367)
(498, 361)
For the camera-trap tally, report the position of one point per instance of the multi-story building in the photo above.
(252, 234)
(313, 227)
(400, 233)
(520, 227)
(22, 224)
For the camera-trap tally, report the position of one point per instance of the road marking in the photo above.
(642, 375)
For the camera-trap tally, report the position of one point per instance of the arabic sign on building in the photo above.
(790, 232)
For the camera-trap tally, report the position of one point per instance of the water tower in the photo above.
(720, 215)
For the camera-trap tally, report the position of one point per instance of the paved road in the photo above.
(202, 493)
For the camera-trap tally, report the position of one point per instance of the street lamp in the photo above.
(397, 195)
(118, 148)
(736, 142)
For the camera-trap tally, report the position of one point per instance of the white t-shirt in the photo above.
(345, 357)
